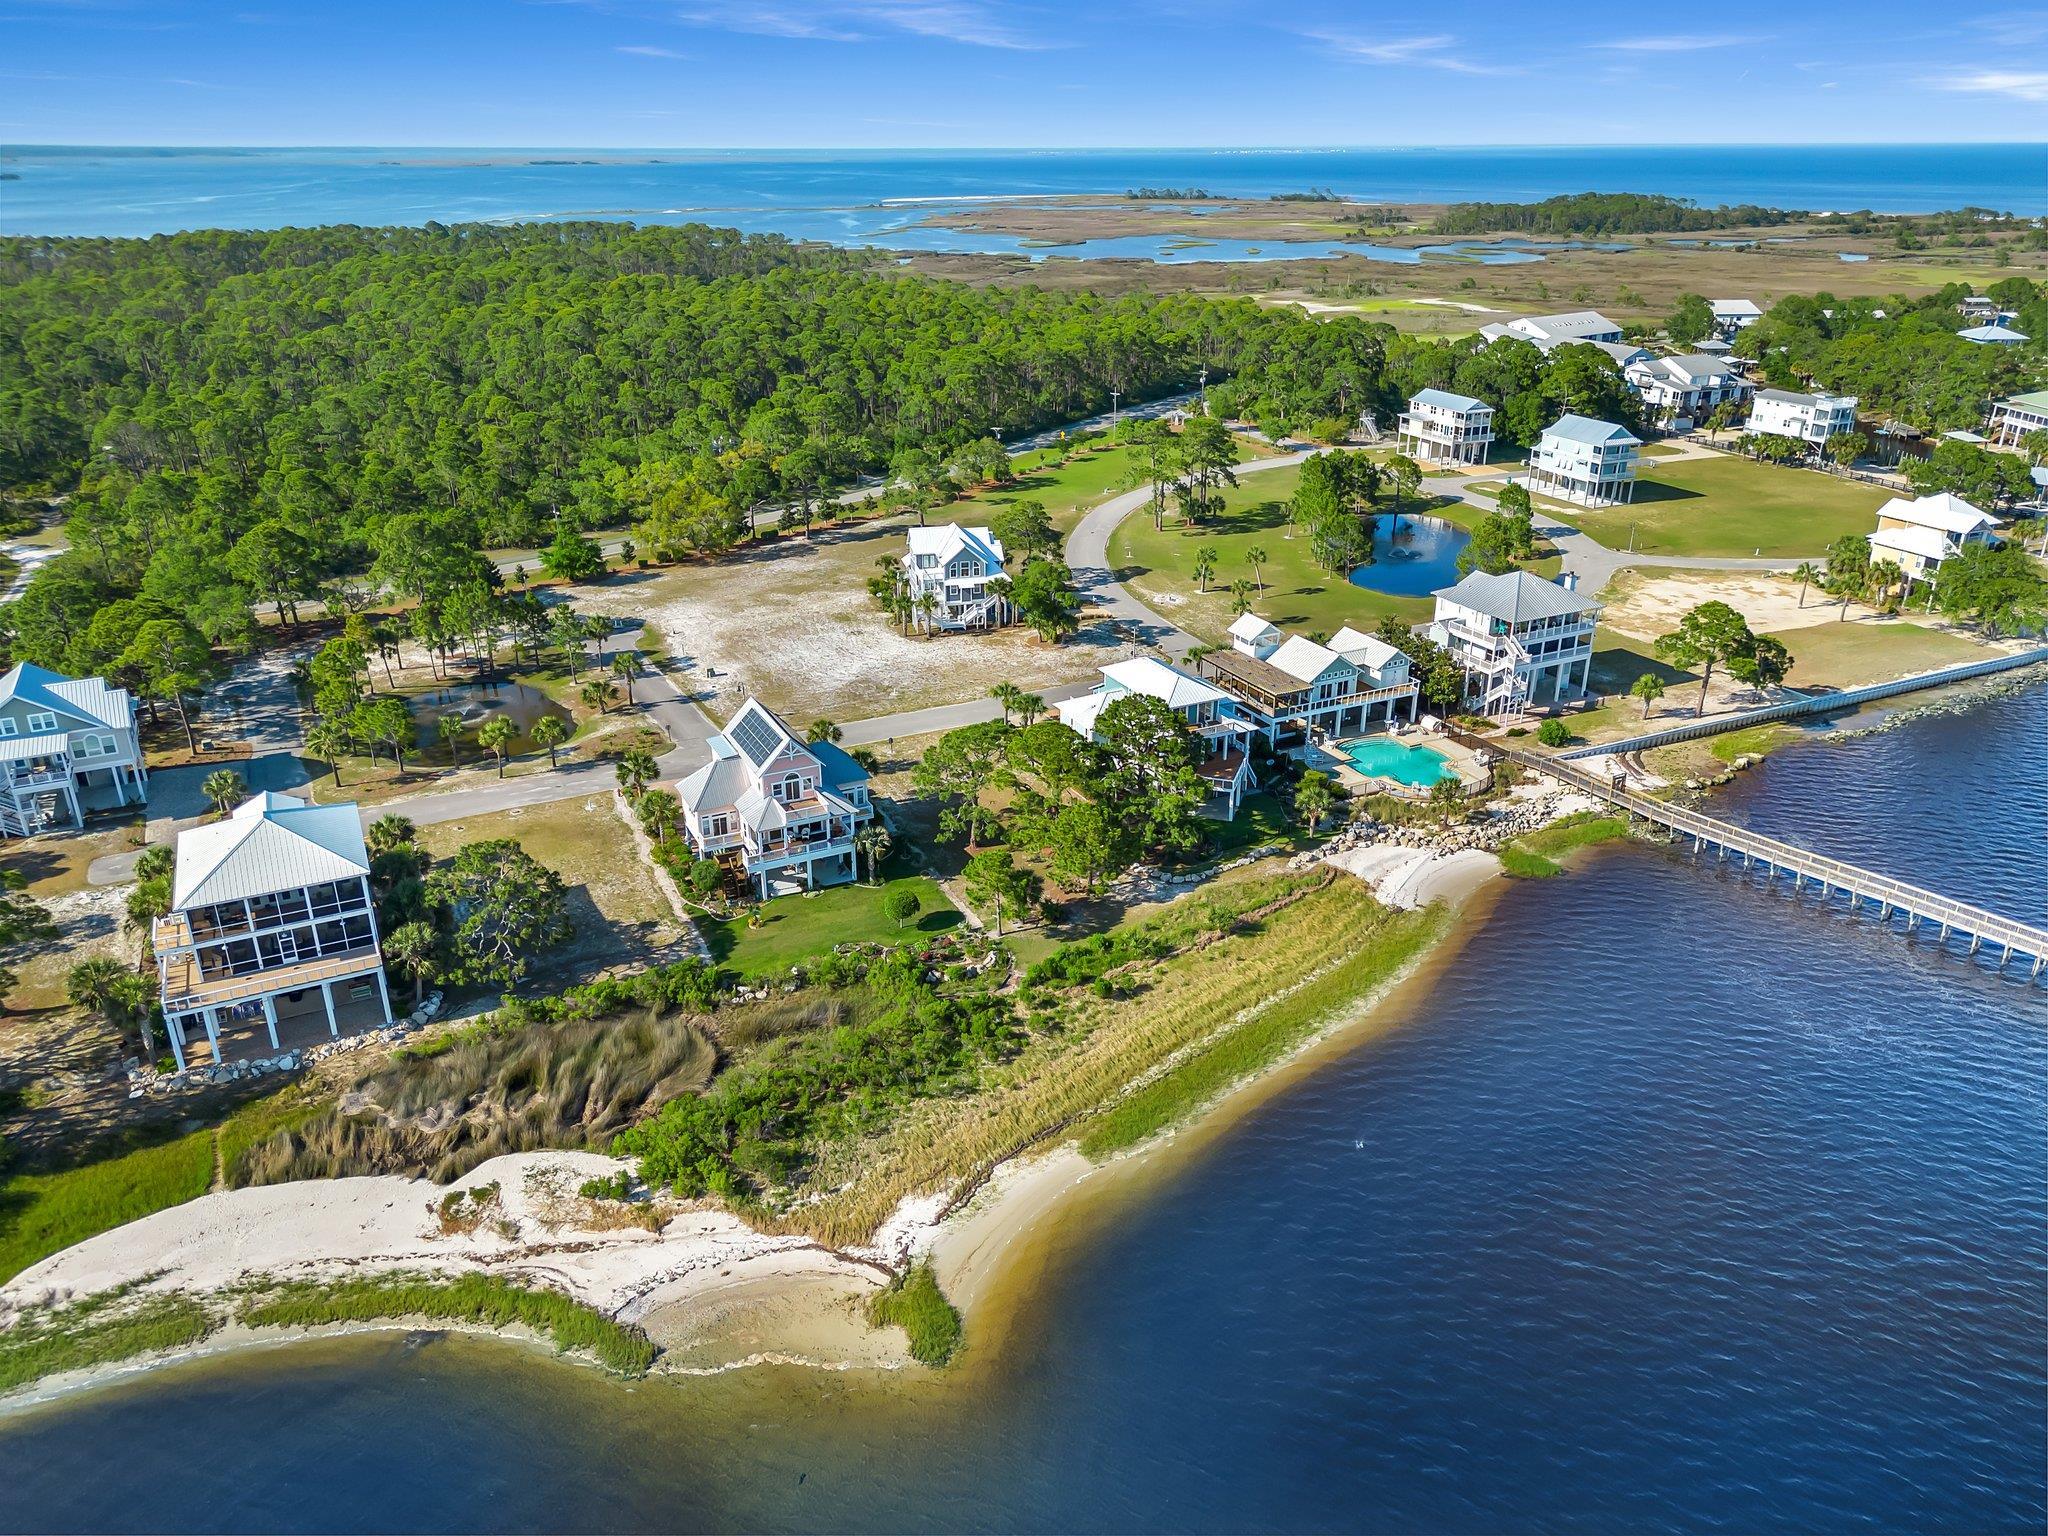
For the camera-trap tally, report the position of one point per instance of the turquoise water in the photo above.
(1383, 757)
(879, 197)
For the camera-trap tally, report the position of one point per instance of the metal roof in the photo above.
(1444, 400)
(89, 701)
(1515, 598)
(1574, 428)
(271, 843)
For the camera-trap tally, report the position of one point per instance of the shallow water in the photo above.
(1671, 1205)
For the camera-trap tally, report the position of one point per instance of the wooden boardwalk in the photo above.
(1829, 877)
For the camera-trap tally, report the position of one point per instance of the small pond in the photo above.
(1411, 556)
(521, 703)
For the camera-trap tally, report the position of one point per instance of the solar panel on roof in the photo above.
(754, 736)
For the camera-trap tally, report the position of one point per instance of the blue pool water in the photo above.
(1412, 556)
(1383, 757)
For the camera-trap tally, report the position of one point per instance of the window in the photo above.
(42, 721)
(8, 726)
(716, 826)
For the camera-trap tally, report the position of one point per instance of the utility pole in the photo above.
(1114, 396)
(1205, 389)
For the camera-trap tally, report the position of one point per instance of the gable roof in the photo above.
(758, 732)
(1445, 400)
(1571, 325)
(1301, 658)
(1361, 650)
(1993, 333)
(1927, 543)
(1731, 309)
(1173, 687)
(718, 783)
(1516, 597)
(1688, 368)
(1794, 397)
(1574, 428)
(836, 767)
(950, 539)
(1945, 511)
(88, 701)
(2035, 399)
(1251, 629)
(272, 842)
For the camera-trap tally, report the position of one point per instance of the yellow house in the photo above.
(1918, 534)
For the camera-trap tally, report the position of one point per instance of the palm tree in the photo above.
(118, 994)
(1240, 597)
(658, 810)
(550, 731)
(389, 832)
(1205, 566)
(494, 736)
(451, 723)
(598, 692)
(873, 843)
(328, 742)
(926, 606)
(1807, 574)
(1884, 574)
(624, 665)
(1008, 695)
(636, 770)
(1649, 688)
(224, 787)
(822, 729)
(414, 949)
(1255, 557)
(1030, 706)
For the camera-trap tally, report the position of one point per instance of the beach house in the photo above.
(1549, 331)
(1586, 461)
(1521, 641)
(1917, 535)
(1222, 732)
(1995, 335)
(1813, 418)
(1295, 690)
(272, 930)
(2012, 420)
(946, 574)
(64, 743)
(776, 811)
(1440, 427)
(1733, 315)
(1681, 392)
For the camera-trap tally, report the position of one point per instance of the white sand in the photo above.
(1414, 877)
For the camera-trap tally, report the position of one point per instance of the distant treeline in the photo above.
(1312, 195)
(1172, 194)
(1606, 213)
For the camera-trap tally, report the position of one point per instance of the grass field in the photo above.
(1158, 566)
(1726, 506)
(41, 1213)
(1849, 655)
(794, 928)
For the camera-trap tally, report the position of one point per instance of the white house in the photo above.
(1732, 315)
(1814, 418)
(1681, 392)
(1548, 331)
(1293, 689)
(952, 566)
(1440, 427)
(1624, 353)
(61, 735)
(1223, 735)
(1994, 336)
(780, 811)
(1590, 462)
(272, 922)
(1516, 636)
(2013, 419)
(1917, 535)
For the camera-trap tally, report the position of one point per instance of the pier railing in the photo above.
(1814, 704)
(1919, 904)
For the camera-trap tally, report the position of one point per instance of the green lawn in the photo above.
(1849, 655)
(1725, 506)
(1158, 565)
(794, 928)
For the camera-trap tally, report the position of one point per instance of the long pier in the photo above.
(1829, 877)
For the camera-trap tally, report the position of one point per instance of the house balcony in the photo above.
(187, 989)
(799, 850)
(36, 780)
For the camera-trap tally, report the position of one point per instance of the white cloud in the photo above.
(1435, 51)
(975, 23)
(2019, 84)
(649, 51)
(1676, 42)
(2015, 29)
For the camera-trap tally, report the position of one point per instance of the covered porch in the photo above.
(282, 1010)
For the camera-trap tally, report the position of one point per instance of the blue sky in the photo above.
(918, 73)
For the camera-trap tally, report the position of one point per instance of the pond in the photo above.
(1411, 556)
(521, 703)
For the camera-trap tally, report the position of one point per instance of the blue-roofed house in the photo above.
(1586, 461)
(61, 736)
(777, 810)
(1440, 427)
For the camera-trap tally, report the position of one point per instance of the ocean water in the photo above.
(872, 197)
(1670, 1205)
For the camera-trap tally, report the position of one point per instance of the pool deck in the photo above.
(1463, 761)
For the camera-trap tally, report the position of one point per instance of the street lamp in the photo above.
(1114, 396)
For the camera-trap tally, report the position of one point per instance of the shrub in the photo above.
(612, 1186)
(915, 1304)
(1553, 733)
(900, 904)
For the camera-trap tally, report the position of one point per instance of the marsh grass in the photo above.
(100, 1330)
(915, 1304)
(1535, 855)
(490, 1092)
(41, 1213)
(475, 1300)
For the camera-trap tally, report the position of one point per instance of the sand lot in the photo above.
(1648, 606)
(792, 623)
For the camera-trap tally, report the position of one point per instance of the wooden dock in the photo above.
(1886, 897)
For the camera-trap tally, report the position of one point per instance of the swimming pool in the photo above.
(1382, 757)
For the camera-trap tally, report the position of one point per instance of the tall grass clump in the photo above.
(115, 1325)
(42, 1213)
(1534, 855)
(915, 1304)
(492, 1091)
(477, 1300)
